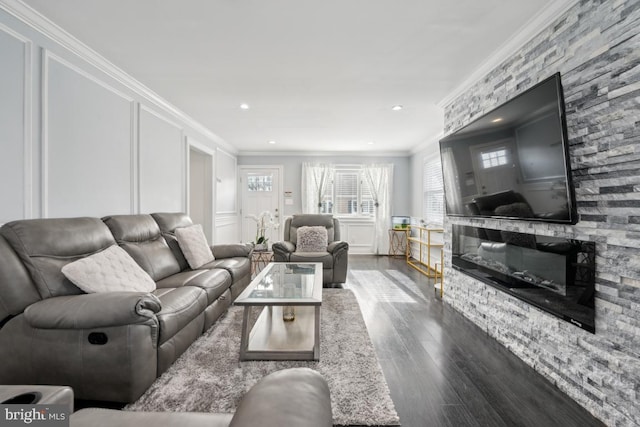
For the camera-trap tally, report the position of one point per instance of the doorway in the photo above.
(261, 190)
(495, 167)
(201, 189)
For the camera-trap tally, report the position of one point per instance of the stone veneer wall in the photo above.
(596, 48)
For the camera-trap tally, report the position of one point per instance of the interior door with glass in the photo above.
(495, 167)
(260, 193)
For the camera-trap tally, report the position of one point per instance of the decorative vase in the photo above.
(260, 247)
(288, 313)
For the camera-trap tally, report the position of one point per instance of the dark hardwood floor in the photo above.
(442, 369)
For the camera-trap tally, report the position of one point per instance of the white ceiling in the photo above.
(318, 75)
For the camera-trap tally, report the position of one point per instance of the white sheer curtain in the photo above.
(380, 180)
(452, 198)
(316, 178)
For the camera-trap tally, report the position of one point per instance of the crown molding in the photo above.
(325, 153)
(532, 28)
(40, 23)
(430, 142)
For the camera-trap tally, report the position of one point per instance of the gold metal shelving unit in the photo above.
(423, 238)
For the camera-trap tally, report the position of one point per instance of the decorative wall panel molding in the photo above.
(16, 78)
(34, 19)
(86, 136)
(227, 229)
(161, 157)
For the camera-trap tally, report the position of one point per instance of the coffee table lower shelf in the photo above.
(271, 338)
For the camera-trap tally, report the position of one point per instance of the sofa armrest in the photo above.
(100, 417)
(89, 311)
(232, 250)
(37, 395)
(291, 397)
(337, 246)
(284, 247)
(282, 251)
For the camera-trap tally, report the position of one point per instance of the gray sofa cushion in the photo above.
(236, 266)
(194, 246)
(140, 236)
(109, 270)
(305, 220)
(213, 282)
(312, 239)
(168, 222)
(324, 257)
(46, 245)
(179, 307)
(17, 290)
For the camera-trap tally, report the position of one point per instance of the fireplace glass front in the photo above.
(554, 274)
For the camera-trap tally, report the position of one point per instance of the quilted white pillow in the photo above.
(194, 246)
(312, 239)
(110, 270)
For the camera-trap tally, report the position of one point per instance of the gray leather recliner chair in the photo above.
(289, 397)
(334, 260)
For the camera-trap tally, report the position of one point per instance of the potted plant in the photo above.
(265, 221)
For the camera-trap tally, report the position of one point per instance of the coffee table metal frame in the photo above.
(271, 338)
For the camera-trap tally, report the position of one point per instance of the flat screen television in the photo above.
(513, 162)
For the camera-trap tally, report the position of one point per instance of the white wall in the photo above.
(427, 150)
(86, 136)
(293, 175)
(15, 87)
(79, 137)
(227, 218)
(359, 233)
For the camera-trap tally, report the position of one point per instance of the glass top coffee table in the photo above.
(280, 288)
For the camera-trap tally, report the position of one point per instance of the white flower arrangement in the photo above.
(265, 221)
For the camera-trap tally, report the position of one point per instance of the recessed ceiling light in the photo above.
(244, 106)
(272, 142)
(370, 142)
(397, 107)
(496, 120)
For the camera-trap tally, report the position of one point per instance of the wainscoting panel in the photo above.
(359, 234)
(162, 165)
(86, 143)
(75, 139)
(15, 132)
(227, 229)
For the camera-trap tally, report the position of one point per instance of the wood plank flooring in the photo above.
(442, 369)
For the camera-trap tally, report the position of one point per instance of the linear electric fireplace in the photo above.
(554, 274)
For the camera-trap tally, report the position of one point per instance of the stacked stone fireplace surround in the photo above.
(595, 46)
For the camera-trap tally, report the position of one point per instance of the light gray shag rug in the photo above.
(208, 377)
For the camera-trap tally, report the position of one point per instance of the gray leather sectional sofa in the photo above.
(107, 346)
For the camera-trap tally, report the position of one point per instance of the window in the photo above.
(348, 194)
(260, 182)
(433, 191)
(495, 158)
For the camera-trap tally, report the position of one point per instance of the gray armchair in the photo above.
(334, 259)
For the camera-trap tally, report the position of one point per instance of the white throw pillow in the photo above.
(110, 270)
(312, 239)
(194, 246)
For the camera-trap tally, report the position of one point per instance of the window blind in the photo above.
(433, 191)
(346, 192)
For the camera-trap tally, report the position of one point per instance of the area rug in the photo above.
(208, 377)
